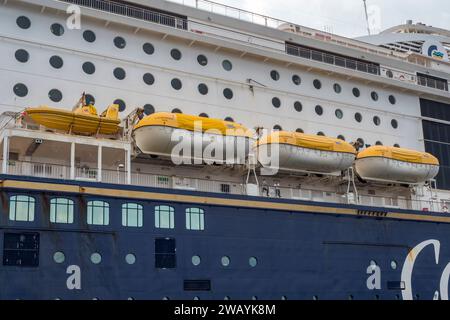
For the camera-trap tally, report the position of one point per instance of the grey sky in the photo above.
(346, 17)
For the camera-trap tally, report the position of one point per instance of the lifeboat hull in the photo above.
(66, 120)
(295, 158)
(191, 145)
(386, 169)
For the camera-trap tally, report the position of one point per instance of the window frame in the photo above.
(195, 213)
(157, 211)
(70, 207)
(139, 211)
(31, 207)
(90, 215)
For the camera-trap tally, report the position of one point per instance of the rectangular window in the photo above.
(98, 213)
(132, 215)
(61, 210)
(165, 253)
(164, 217)
(21, 249)
(225, 188)
(21, 208)
(195, 219)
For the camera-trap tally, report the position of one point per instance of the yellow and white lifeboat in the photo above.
(185, 136)
(305, 153)
(384, 163)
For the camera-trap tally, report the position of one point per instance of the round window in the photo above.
(230, 119)
(130, 258)
(298, 106)
(299, 130)
(120, 42)
(121, 104)
(320, 133)
(394, 123)
(90, 99)
(356, 92)
(55, 95)
(119, 73)
(148, 78)
(89, 36)
(341, 137)
(202, 60)
(296, 80)
(276, 102)
(57, 29)
(392, 99)
(277, 127)
(360, 141)
(358, 117)
(393, 264)
(317, 84)
(339, 114)
(149, 109)
(376, 121)
(196, 260)
(148, 48)
(275, 75)
(176, 84)
(88, 67)
(252, 261)
(378, 143)
(175, 54)
(337, 88)
(396, 145)
(20, 90)
(23, 22)
(203, 115)
(374, 96)
(225, 261)
(96, 258)
(176, 110)
(202, 88)
(22, 55)
(59, 257)
(56, 62)
(319, 110)
(227, 65)
(227, 93)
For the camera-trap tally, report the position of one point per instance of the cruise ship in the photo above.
(337, 185)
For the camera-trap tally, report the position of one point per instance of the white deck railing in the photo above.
(56, 171)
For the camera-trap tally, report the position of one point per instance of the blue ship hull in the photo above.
(304, 250)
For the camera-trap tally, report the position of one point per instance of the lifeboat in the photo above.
(82, 120)
(192, 137)
(305, 153)
(393, 164)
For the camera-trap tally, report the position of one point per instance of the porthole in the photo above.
(374, 96)
(356, 92)
(227, 65)
(276, 102)
(341, 137)
(252, 261)
(299, 130)
(89, 99)
(227, 93)
(319, 110)
(392, 99)
(358, 117)
(96, 258)
(393, 264)
(196, 298)
(350, 297)
(373, 263)
(203, 115)
(230, 119)
(89, 36)
(254, 297)
(175, 54)
(56, 62)
(275, 75)
(378, 143)
(23, 22)
(176, 110)
(120, 42)
(149, 109)
(376, 120)
(176, 83)
(88, 67)
(277, 127)
(396, 145)
(320, 133)
(148, 78)
(148, 48)
(20, 90)
(315, 298)
(196, 260)
(317, 84)
(130, 298)
(119, 73)
(298, 106)
(202, 89)
(121, 104)
(283, 298)
(225, 261)
(165, 298)
(55, 95)
(361, 143)
(59, 257)
(394, 123)
(22, 55)
(226, 298)
(339, 114)
(337, 88)
(57, 29)
(296, 79)
(130, 258)
(202, 60)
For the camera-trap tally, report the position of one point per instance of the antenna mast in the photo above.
(367, 17)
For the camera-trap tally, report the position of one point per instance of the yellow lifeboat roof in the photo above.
(308, 141)
(399, 154)
(194, 123)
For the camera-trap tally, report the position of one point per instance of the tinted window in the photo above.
(88, 67)
(204, 115)
(228, 93)
(358, 117)
(317, 84)
(320, 133)
(376, 120)
(394, 123)
(22, 55)
(57, 29)
(337, 88)
(298, 106)
(374, 96)
(339, 114)
(55, 95)
(165, 253)
(202, 60)
(176, 84)
(277, 127)
(229, 119)
(20, 90)
(89, 36)
(149, 109)
(148, 79)
(176, 110)
(175, 54)
(276, 102)
(319, 110)
(23, 22)
(120, 42)
(299, 130)
(275, 75)
(148, 48)
(56, 62)
(119, 73)
(392, 99)
(356, 92)
(203, 88)
(296, 79)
